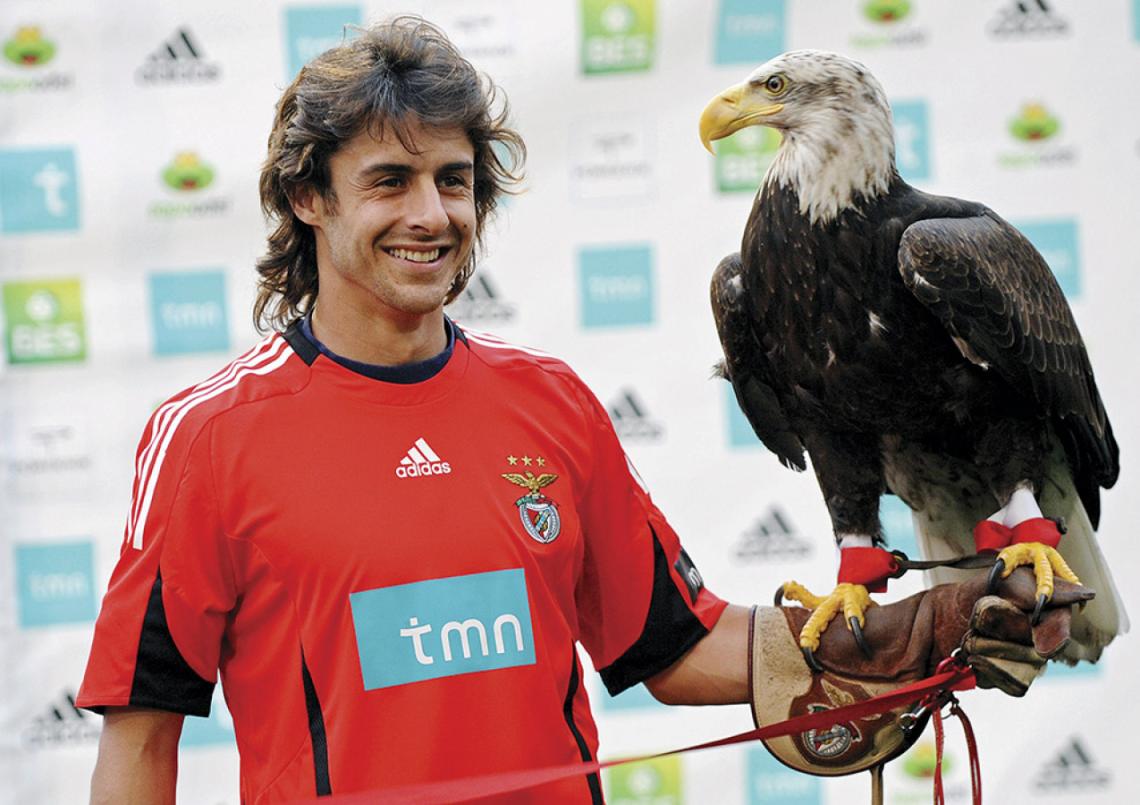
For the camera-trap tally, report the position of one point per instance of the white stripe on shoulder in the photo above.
(255, 365)
(494, 342)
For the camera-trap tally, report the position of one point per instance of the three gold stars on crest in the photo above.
(526, 461)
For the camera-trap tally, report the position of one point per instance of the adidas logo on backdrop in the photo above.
(480, 301)
(772, 537)
(630, 419)
(63, 723)
(1072, 769)
(1028, 18)
(178, 60)
(421, 461)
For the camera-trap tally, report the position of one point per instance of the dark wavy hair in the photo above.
(392, 74)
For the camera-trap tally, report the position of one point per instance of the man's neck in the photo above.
(381, 341)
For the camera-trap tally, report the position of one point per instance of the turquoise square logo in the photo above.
(740, 433)
(912, 140)
(770, 782)
(311, 30)
(39, 190)
(749, 31)
(55, 583)
(442, 627)
(1136, 20)
(898, 526)
(1057, 241)
(214, 730)
(188, 312)
(616, 286)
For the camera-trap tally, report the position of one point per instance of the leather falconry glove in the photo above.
(908, 640)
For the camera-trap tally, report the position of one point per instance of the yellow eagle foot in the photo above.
(1046, 563)
(853, 599)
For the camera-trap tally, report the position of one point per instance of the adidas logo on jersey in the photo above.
(62, 724)
(1072, 769)
(421, 461)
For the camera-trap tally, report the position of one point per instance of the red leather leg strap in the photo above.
(1039, 529)
(870, 567)
(991, 536)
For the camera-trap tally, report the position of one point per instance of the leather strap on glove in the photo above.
(908, 640)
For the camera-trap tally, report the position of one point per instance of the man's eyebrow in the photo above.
(452, 167)
(402, 169)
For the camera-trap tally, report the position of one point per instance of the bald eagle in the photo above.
(908, 343)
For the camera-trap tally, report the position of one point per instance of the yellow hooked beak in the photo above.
(730, 111)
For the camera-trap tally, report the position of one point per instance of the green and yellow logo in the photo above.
(649, 782)
(28, 48)
(743, 159)
(1034, 123)
(188, 173)
(617, 35)
(44, 321)
(886, 10)
(921, 761)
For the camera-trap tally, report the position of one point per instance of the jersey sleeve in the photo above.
(641, 602)
(158, 636)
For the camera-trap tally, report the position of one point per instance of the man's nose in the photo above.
(424, 209)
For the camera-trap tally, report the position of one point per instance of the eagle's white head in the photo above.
(838, 141)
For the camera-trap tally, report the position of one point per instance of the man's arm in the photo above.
(138, 757)
(714, 671)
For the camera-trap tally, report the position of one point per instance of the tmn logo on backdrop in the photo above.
(631, 420)
(60, 723)
(912, 140)
(749, 31)
(55, 583)
(27, 52)
(888, 23)
(772, 536)
(1027, 19)
(1037, 142)
(1072, 771)
(311, 30)
(743, 158)
(481, 302)
(617, 35)
(657, 781)
(611, 159)
(188, 312)
(178, 60)
(43, 321)
(39, 190)
(616, 285)
(1058, 243)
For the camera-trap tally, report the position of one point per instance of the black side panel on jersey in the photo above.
(163, 679)
(670, 630)
(316, 731)
(583, 748)
(301, 345)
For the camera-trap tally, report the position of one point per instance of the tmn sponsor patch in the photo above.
(442, 627)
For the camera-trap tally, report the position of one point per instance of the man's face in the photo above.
(403, 224)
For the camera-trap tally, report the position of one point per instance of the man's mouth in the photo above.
(417, 255)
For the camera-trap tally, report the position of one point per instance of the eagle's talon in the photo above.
(857, 632)
(995, 576)
(779, 596)
(809, 658)
(1041, 601)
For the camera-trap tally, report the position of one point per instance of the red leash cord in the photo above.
(950, 676)
(936, 701)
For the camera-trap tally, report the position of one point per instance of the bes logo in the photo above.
(188, 312)
(656, 781)
(56, 583)
(1034, 123)
(311, 30)
(38, 190)
(617, 35)
(616, 286)
(743, 158)
(442, 627)
(912, 140)
(44, 321)
(749, 31)
(771, 781)
(28, 48)
(187, 172)
(886, 10)
(1058, 243)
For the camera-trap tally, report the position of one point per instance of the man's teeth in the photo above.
(415, 257)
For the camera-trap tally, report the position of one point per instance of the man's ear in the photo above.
(308, 205)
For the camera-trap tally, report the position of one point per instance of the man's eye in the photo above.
(454, 181)
(389, 181)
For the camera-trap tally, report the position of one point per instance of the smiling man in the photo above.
(390, 535)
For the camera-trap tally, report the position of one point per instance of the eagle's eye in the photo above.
(775, 84)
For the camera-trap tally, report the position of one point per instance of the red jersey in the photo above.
(391, 577)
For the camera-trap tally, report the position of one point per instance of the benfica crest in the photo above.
(539, 514)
